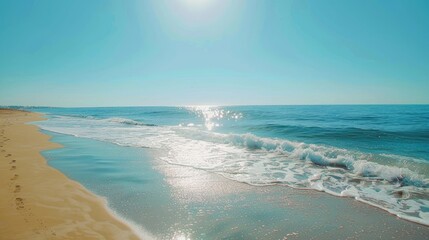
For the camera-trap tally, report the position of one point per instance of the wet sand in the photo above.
(39, 202)
(280, 212)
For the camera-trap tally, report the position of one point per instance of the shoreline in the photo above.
(40, 202)
(202, 198)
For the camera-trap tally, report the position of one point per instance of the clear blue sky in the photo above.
(166, 52)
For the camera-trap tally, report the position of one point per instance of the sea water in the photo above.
(376, 154)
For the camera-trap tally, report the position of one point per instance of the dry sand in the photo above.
(39, 202)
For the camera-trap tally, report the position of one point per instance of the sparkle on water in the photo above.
(213, 114)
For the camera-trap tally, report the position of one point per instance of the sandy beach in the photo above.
(172, 201)
(51, 191)
(39, 202)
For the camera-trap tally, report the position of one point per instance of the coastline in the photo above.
(173, 201)
(40, 202)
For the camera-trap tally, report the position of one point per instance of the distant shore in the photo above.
(39, 202)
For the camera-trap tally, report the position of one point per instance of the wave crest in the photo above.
(381, 180)
(129, 122)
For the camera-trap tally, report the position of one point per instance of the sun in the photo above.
(197, 4)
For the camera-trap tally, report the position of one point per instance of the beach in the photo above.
(144, 173)
(39, 202)
(182, 172)
(205, 119)
(179, 202)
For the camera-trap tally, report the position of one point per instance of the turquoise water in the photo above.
(124, 175)
(378, 155)
(182, 203)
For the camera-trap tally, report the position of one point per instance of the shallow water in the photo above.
(375, 154)
(175, 202)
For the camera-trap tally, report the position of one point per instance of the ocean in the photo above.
(374, 154)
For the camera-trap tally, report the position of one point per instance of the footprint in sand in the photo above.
(13, 168)
(19, 202)
(13, 161)
(8, 155)
(14, 177)
(17, 189)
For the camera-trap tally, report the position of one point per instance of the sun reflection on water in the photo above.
(213, 114)
(180, 236)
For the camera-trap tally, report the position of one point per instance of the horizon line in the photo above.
(215, 105)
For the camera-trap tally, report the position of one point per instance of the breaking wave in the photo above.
(129, 122)
(394, 183)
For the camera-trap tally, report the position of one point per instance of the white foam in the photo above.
(267, 161)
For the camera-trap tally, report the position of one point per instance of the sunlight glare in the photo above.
(197, 5)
